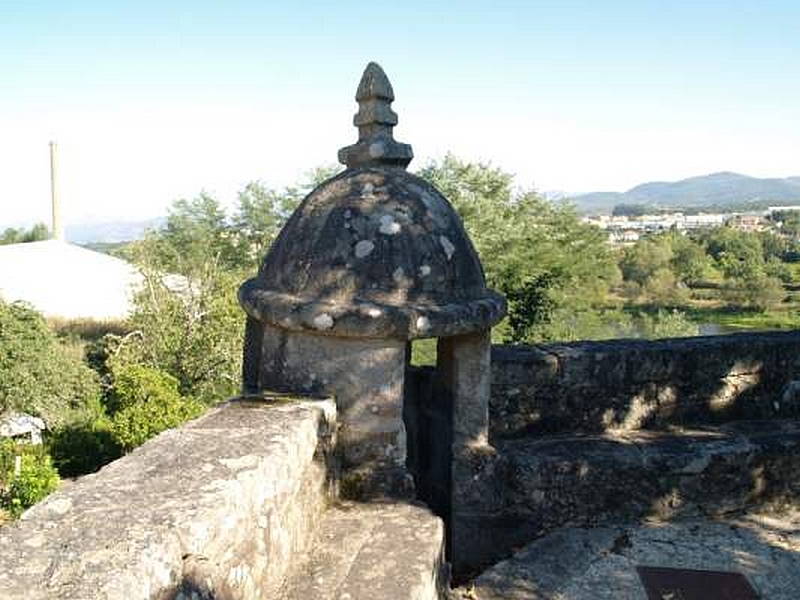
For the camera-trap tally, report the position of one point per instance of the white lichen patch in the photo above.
(60, 506)
(398, 274)
(423, 324)
(364, 248)
(323, 321)
(389, 226)
(377, 149)
(424, 270)
(447, 246)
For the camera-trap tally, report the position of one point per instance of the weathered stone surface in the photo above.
(591, 387)
(591, 480)
(364, 375)
(374, 253)
(375, 120)
(392, 551)
(223, 504)
(370, 259)
(600, 564)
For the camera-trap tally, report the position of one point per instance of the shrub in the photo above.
(37, 374)
(147, 402)
(37, 476)
(84, 446)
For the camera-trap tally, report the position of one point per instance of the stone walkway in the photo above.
(600, 563)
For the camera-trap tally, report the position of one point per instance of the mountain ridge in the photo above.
(715, 189)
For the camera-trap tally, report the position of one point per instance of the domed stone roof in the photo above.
(375, 251)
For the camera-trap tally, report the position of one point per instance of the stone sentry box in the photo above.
(373, 258)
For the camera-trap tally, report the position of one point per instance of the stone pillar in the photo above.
(366, 378)
(463, 369)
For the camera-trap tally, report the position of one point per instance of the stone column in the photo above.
(463, 366)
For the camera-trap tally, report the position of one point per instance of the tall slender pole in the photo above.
(57, 232)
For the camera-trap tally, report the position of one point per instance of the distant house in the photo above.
(67, 281)
(749, 223)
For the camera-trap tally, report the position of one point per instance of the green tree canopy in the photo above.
(37, 374)
(536, 252)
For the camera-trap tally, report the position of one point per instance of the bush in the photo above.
(84, 446)
(147, 402)
(37, 374)
(37, 476)
(666, 324)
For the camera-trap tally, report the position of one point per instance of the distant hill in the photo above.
(110, 231)
(717, 189)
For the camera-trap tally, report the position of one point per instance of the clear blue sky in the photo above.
(154, 100)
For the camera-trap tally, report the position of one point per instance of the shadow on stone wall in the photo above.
(592, 387)
(594, 433)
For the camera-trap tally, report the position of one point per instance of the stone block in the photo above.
(391, 551)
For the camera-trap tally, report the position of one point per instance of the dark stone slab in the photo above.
(662, 583)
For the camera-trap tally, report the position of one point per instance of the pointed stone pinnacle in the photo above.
(375, 120)
(374, 84)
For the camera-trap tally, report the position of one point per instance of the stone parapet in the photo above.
(592, 387)
(218, 508)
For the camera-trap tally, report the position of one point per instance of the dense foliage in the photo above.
(37, 374)
(147, 401)
(748, 270)
(552, 267)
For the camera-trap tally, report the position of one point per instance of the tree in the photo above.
(37, 374)
(187, 318)
(645, 258)
(689, 262)
(539, 254)
(737, 254)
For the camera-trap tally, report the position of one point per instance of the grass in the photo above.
(76, 334)
(423, 352)
(88, 330)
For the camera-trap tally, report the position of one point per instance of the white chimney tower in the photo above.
(57, 229)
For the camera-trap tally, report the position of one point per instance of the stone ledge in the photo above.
(389, 550)
(593, 480)
(238, 491)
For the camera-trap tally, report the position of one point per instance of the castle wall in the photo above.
(591, 387)
(219, 508)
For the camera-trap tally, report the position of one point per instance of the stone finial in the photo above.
(375, 120)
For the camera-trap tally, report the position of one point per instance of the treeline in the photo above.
(13, 235)
(747, 270)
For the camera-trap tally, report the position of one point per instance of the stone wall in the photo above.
(552, 406)
(591, 387)
(219, 508)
